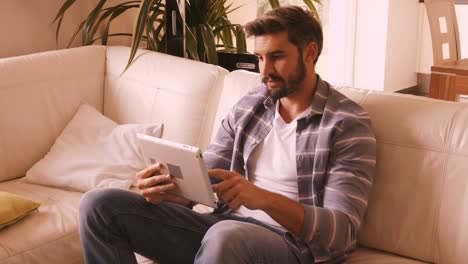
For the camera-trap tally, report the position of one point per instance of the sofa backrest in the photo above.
(182, 94)
(236, 84)
(419, 202)
(39, 94)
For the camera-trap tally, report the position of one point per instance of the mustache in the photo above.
(271, 78)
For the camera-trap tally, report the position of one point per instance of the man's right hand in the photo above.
(154, 186)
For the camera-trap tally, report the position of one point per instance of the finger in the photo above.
(220, 174)
(154, 199)
(154, 180)
(222, 187)
(231, 194)
(158, 189)
(147, 172)
(175, 198)
(235, 203)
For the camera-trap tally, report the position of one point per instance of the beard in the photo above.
(288, 86)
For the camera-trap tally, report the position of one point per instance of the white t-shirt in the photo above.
(272, 165)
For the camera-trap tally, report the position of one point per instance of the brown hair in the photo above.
(301, 25)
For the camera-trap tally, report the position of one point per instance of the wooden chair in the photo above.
(449, 74)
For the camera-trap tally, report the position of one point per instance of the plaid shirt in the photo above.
(335, 159)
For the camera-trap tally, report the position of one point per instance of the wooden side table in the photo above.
(449, 80)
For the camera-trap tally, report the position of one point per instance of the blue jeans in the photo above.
(116, 223)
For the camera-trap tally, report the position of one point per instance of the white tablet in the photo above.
(184, 163)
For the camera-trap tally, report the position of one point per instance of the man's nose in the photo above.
(265, 67)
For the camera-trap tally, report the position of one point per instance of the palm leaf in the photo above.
(112, 35)
(115, 14)
(77, 30)
(122, 4)
(274, 3)
(209, 44)
(105, 14)
(192, 51)
(139, 29)
(207, 25)
(241, 44)
(60, 15)
(153, 41)
(90, 20)
(312, 7)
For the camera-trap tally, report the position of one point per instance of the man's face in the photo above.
(281, 65)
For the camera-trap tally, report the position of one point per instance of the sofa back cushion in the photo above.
(158, 88)
(236, 85)
(39, 94)
(419, 202)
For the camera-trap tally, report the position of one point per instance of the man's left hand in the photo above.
(235, 190)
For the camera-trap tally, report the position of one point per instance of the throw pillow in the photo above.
(93, 152)
(14, 207)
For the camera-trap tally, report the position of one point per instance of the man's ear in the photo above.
(310, 52)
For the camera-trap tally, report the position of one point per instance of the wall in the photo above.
(402, 45)
(27, 25)
(385, 44)
(247, 11)
(371, 44)
(341, 42)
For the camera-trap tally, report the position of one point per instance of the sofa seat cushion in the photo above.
(371, 256)
(40, 235)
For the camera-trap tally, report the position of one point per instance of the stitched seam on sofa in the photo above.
(409, 96)
(370, 250)
(437, 215)
(6, 166)
(104, 82)
(424, 148)
(45, 244)
(149, 84)
(448, 140)
(38, 81)
(205, 112)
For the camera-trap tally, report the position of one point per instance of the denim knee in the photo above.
(95, 202)
(241, 242)
(225, 233)
(225, 242)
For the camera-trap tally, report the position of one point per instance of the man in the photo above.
(293, 160)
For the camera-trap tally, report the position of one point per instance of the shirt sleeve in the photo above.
(331, 230)
(219, 153)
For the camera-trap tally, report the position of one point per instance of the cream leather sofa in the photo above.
(418, 210)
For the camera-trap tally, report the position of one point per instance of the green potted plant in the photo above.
(207, 26)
